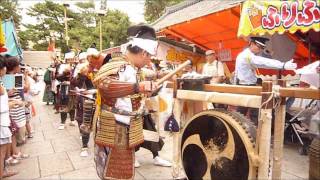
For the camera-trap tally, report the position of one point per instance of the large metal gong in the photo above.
(217, 144)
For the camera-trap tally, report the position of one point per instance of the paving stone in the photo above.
(149, 171)
(288, 176)
(80, 162)
(54, 164)
(28, 169)
(73, 130)
(46, 126)
(37, 148)
(138, 176)
(37, 137)
(55, 134)
(65, 144)
(143, 152)
(294, 163)
(53, 177)
(85, 174)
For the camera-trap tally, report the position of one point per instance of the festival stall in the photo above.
(218, 144)
(177, 53)
(214, 25)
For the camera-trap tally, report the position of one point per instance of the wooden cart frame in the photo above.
(262, 97)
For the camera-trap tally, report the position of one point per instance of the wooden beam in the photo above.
(220, 98)
(235, 13)
(236, 89)
(305, 93)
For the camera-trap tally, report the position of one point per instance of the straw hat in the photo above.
(209, 52)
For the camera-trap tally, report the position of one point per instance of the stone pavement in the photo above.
(54, 154)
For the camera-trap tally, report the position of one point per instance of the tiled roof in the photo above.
(191, 9)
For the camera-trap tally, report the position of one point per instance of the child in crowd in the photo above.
(5, 133)
(17, 115)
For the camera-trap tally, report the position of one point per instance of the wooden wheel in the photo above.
(217, 144)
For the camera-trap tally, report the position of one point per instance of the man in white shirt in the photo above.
(249, 60)
(246, 64)
(213, 67)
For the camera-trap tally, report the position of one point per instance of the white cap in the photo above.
(83, 55)
(210, 52)
(92, 52)
(69, 55)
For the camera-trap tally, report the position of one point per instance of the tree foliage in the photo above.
(8, 9)
(153, 9)
(83, 26)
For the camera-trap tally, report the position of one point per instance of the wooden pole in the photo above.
(279, 124)
(66, 25)
(172, 73)
(265, 133)
(100, 35)
(306, 93)
(221, 98)
(177, 169)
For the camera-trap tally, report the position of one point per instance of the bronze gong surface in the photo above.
(213, 149)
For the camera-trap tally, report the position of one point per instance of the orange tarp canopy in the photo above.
(211, 31)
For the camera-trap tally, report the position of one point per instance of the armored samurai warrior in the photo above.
(120, 105)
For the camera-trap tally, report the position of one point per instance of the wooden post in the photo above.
(177, 170)
(279, 124)
(100, 34)
(66, 25)
(265, 131)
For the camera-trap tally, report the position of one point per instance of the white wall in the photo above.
(39, 59)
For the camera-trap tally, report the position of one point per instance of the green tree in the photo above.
(153, 9)
(83, 26)
(8, 9)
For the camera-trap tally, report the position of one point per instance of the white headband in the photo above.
(146, 44)
(69, 55)
(92, 51)
(83, 55)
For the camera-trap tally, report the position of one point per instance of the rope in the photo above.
(277, 98)
(273, 95)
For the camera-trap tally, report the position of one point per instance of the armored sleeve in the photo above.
(110, 85)
(113, 88)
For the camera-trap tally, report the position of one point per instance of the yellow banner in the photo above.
(2, 37)
(259, 17)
